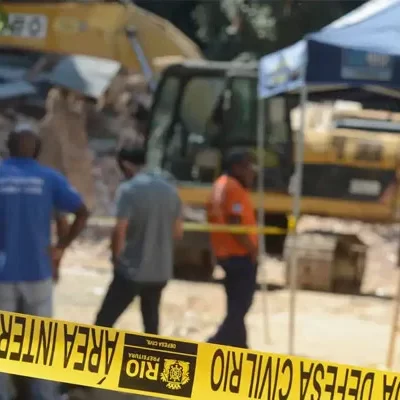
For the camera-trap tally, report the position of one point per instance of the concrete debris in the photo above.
(79, 138)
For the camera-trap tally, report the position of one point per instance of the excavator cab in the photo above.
(202, 110)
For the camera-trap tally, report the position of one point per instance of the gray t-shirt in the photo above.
(152, 206)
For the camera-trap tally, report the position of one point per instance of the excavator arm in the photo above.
(121, 32)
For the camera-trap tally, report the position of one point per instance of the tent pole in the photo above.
(297, 193)
(395, 323)
(396, 307)
(260, 215)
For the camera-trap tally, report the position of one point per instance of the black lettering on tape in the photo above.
(331, 387)
(368, 384)
(15, 331)
(217, 370)
(389, 389)
(53, 344)
(287, 366)
(111, 345)
(342, 388)
(226, 369)
(319, 375)
(265, 374)
(353, 391)
(253, 359)
(69, 339)
(6, 325)
(305, 378)
(95, 352)
(29, 356)
(269, 372)
(226, 374)
(19, 325)
(46, 343)
(82, 349)
(327, 379)
(90, 349)
(236, 372)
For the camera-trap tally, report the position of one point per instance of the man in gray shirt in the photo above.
(148, 212)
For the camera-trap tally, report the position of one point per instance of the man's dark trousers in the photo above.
(120, 295)
(240, 285)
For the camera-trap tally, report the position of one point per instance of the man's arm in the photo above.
(243, 239)
(62, 228)
(118, 238)
(79, 224)
(234, 208)
(178, 227)
(68, 200)
(62, 225)
(123, 212)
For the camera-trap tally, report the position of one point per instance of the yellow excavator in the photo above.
(202, 109)
(36, 38)
(349, 164)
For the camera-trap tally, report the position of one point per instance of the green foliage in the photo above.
(3, 21)
(227, 28)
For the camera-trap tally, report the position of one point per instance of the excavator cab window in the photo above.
(198, 116)
(185, 124)
(241, 129)
(201, 113)
(196, 130)
(161, 120)
(241, 126)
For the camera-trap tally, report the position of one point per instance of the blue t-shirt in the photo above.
(29, 195)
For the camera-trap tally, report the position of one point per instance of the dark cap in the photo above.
(237, 157)
(134, 155)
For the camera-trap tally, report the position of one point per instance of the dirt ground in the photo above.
(339, 328)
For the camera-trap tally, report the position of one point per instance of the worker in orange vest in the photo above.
(230, 203)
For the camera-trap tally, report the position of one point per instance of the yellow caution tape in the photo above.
(292, 223)
(234, 229)
(198, 227)
(175, 368)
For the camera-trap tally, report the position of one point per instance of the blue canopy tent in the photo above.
(361, 52)
(361, 49)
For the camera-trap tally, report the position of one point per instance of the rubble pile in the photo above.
(79, 137)
(106, 177)
(114, 121)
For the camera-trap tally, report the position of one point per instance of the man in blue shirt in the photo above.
(29, 195)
